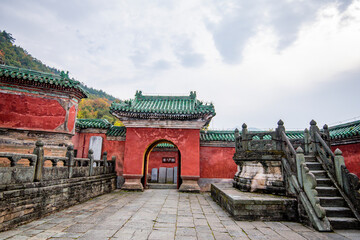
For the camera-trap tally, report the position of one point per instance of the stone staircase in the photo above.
(338, 213)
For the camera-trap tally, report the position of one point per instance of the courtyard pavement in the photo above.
(159, 214)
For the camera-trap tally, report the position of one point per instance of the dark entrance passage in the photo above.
(162, 165)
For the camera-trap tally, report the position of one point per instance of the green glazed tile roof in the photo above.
(116, 131)
(165, 145)
(93, 123)
(61, 81)
(163, 107)
(345, 130)
(217, 135)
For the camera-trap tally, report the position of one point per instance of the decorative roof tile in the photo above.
(216, 135)
(61, 81)
(165, 145)
(116, 131)
(345, 130)
(93, 123)
(163, 107)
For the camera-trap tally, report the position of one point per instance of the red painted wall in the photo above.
(351, 154)
(217, 162)
(30, 112)
(71, 118)
(155, 160)
(81, 143)
(139, 139)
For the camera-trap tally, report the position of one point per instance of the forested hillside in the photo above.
(96, 106)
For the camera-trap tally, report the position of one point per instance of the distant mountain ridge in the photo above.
(16, 56)
(96, 106)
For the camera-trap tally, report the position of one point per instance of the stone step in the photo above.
(332, 202)
(338, 212)
(310, 158)
(324, 182)
(314, 166)
(161, 186)
(344, 223)
(319, 173)
(327, 191)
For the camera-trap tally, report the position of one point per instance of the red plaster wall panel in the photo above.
(351, 154)
(155, 160)
(116, 148)
(81, 143)
(217, 162)
(71, 118)
(139, 139)
(29, 112)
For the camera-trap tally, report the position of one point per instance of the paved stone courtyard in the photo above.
(159, 214)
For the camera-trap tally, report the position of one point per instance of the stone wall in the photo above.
(33, 191)
(21, 203)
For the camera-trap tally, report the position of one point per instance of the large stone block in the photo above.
(96, 145)
(175, 174)
(154, 175)
(169, 175)
(162, 175)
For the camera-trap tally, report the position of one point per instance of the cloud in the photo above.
(257, 61)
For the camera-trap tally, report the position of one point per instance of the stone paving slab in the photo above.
(160, 214)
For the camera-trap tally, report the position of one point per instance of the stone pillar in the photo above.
(91, 162)
(327, 134)
(339, 161)
(279, 131)
(105, 162)
(70, 156)
(39, 152)
(300, 159)
(190, 184)
(306, 140)
(244, 142)
(312, 142)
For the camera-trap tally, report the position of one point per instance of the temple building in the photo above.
(37, 106)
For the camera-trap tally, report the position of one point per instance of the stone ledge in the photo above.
(254, 206)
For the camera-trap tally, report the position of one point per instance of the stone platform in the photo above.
(254, 206)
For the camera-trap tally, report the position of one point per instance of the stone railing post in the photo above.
(91, 162)
(279, 130)
(312, 142)
(237, 140)
(244, 142)
(105, 161)
(306, 140)
(327, 134)
(39, 152)
(70, 156)
(300, 159)
(338, 162)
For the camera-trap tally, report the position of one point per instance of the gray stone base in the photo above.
(189, 186)
(132, 185)
(254, 206)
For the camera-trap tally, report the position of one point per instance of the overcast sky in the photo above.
(257, 61)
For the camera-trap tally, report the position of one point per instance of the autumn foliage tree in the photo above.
(96, 108)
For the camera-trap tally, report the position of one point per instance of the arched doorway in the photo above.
(162, 155)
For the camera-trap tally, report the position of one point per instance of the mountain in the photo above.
(96, 106)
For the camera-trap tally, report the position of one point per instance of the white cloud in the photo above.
(245, 58)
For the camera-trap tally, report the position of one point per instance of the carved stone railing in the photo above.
(264, 148)
(258, 157)
(36, 171)
(347, 183)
